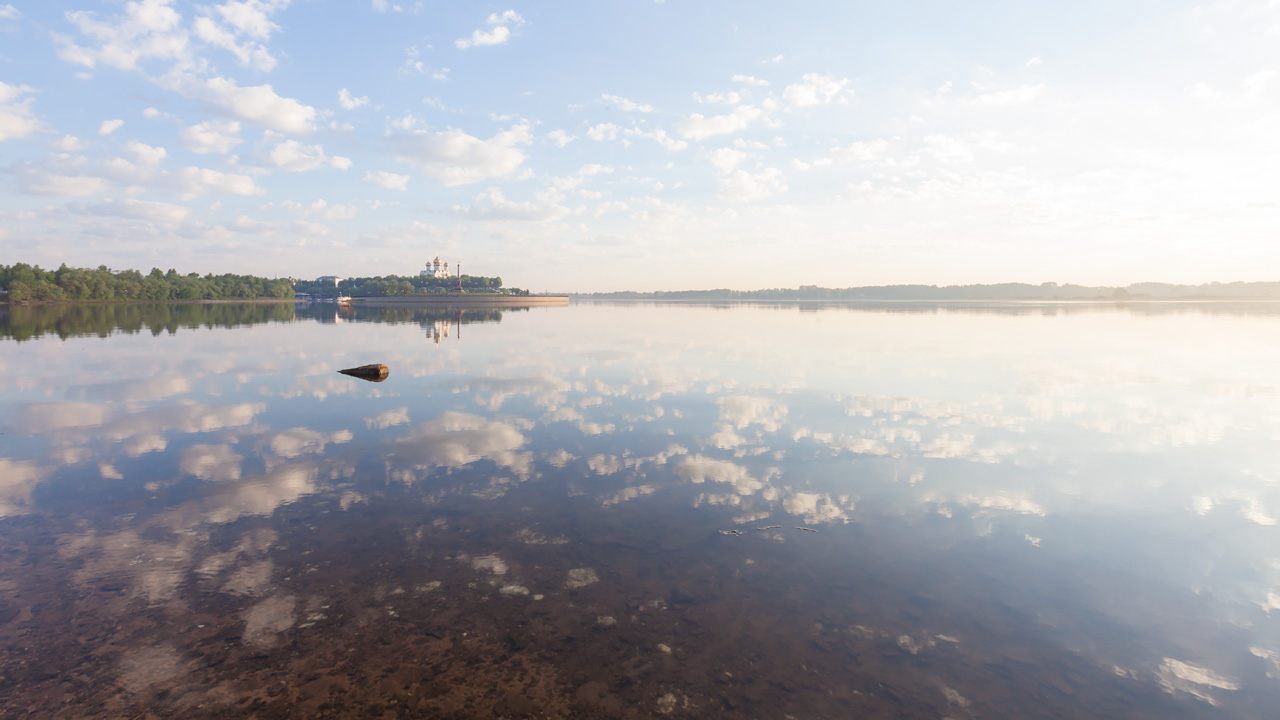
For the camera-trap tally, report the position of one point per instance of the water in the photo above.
(1020, 511)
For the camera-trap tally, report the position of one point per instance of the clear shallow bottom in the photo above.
(1021, 511)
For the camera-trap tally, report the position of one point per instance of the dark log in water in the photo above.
(376, 372)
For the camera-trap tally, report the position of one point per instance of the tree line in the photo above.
(29, 282)
(399, 285)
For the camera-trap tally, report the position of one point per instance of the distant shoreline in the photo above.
(936, 301)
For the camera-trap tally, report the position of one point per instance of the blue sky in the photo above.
(642, 145)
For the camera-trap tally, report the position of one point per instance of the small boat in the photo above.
(344, 300)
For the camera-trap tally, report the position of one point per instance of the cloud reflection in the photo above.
(457, 439)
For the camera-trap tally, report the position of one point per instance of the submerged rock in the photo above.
(376, 372)
(581, 577)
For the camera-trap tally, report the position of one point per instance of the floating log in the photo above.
(376, 372)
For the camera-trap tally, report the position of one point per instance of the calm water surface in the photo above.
(1059, 511)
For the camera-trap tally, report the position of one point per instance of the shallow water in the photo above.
(1012, 510)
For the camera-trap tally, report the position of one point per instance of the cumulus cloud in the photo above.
(241, 28)
(202, 181)
(729, 98)
(148, 30)
(724, 160)
(660, 137)
(742, 185)
(492, 205)
(212, 136)
(699, 127)
(863, 151)
(109, 126)
(388, 180)
(293, 156)
(146, 154)
(815, 89)
(456, 158)
(39, 181)
(256, 104)
(68, 144)
(560, 138)
(602, 132)
(626, 105)
(351, 103)
(16, 118)
(499, 35)
(154, 212)
(750, 80)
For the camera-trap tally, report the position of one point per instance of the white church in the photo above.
(435, 269)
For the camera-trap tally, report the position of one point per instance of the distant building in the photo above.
(327, 280)
(435, 269)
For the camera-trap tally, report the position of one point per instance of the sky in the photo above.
(641, 145)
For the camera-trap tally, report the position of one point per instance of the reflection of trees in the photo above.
(22, 322)
(414, 315)
(82, 320)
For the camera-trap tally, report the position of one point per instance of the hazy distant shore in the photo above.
(979, 293)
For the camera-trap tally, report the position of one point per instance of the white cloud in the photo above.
(660, 137)
(250, 54)
(201, 181)
(594, 169)
(109, 126)
(380, 6)
(560, 138)
(1014, 96)
(497, 207)
(388, 180)
(9, 12)
(351, 103)
(145, 154)
(212, 136)
(69, 144)
(1034, 61)
(498, 36)
(293, 156)
(699, 127)
(726, 159)
(602, 132)
(44, 182)
(948, 149)
(863, 151)
(742, 185)
(456, 158)
(750, 80)
(16, 119)
(149, 29)
(626, 105)
(774, 59)
(729, 98)
(257, 104)
(141, 210)
(815, 89)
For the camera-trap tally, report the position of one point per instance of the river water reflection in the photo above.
(641, 510)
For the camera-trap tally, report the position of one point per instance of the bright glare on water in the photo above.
(610, 510)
